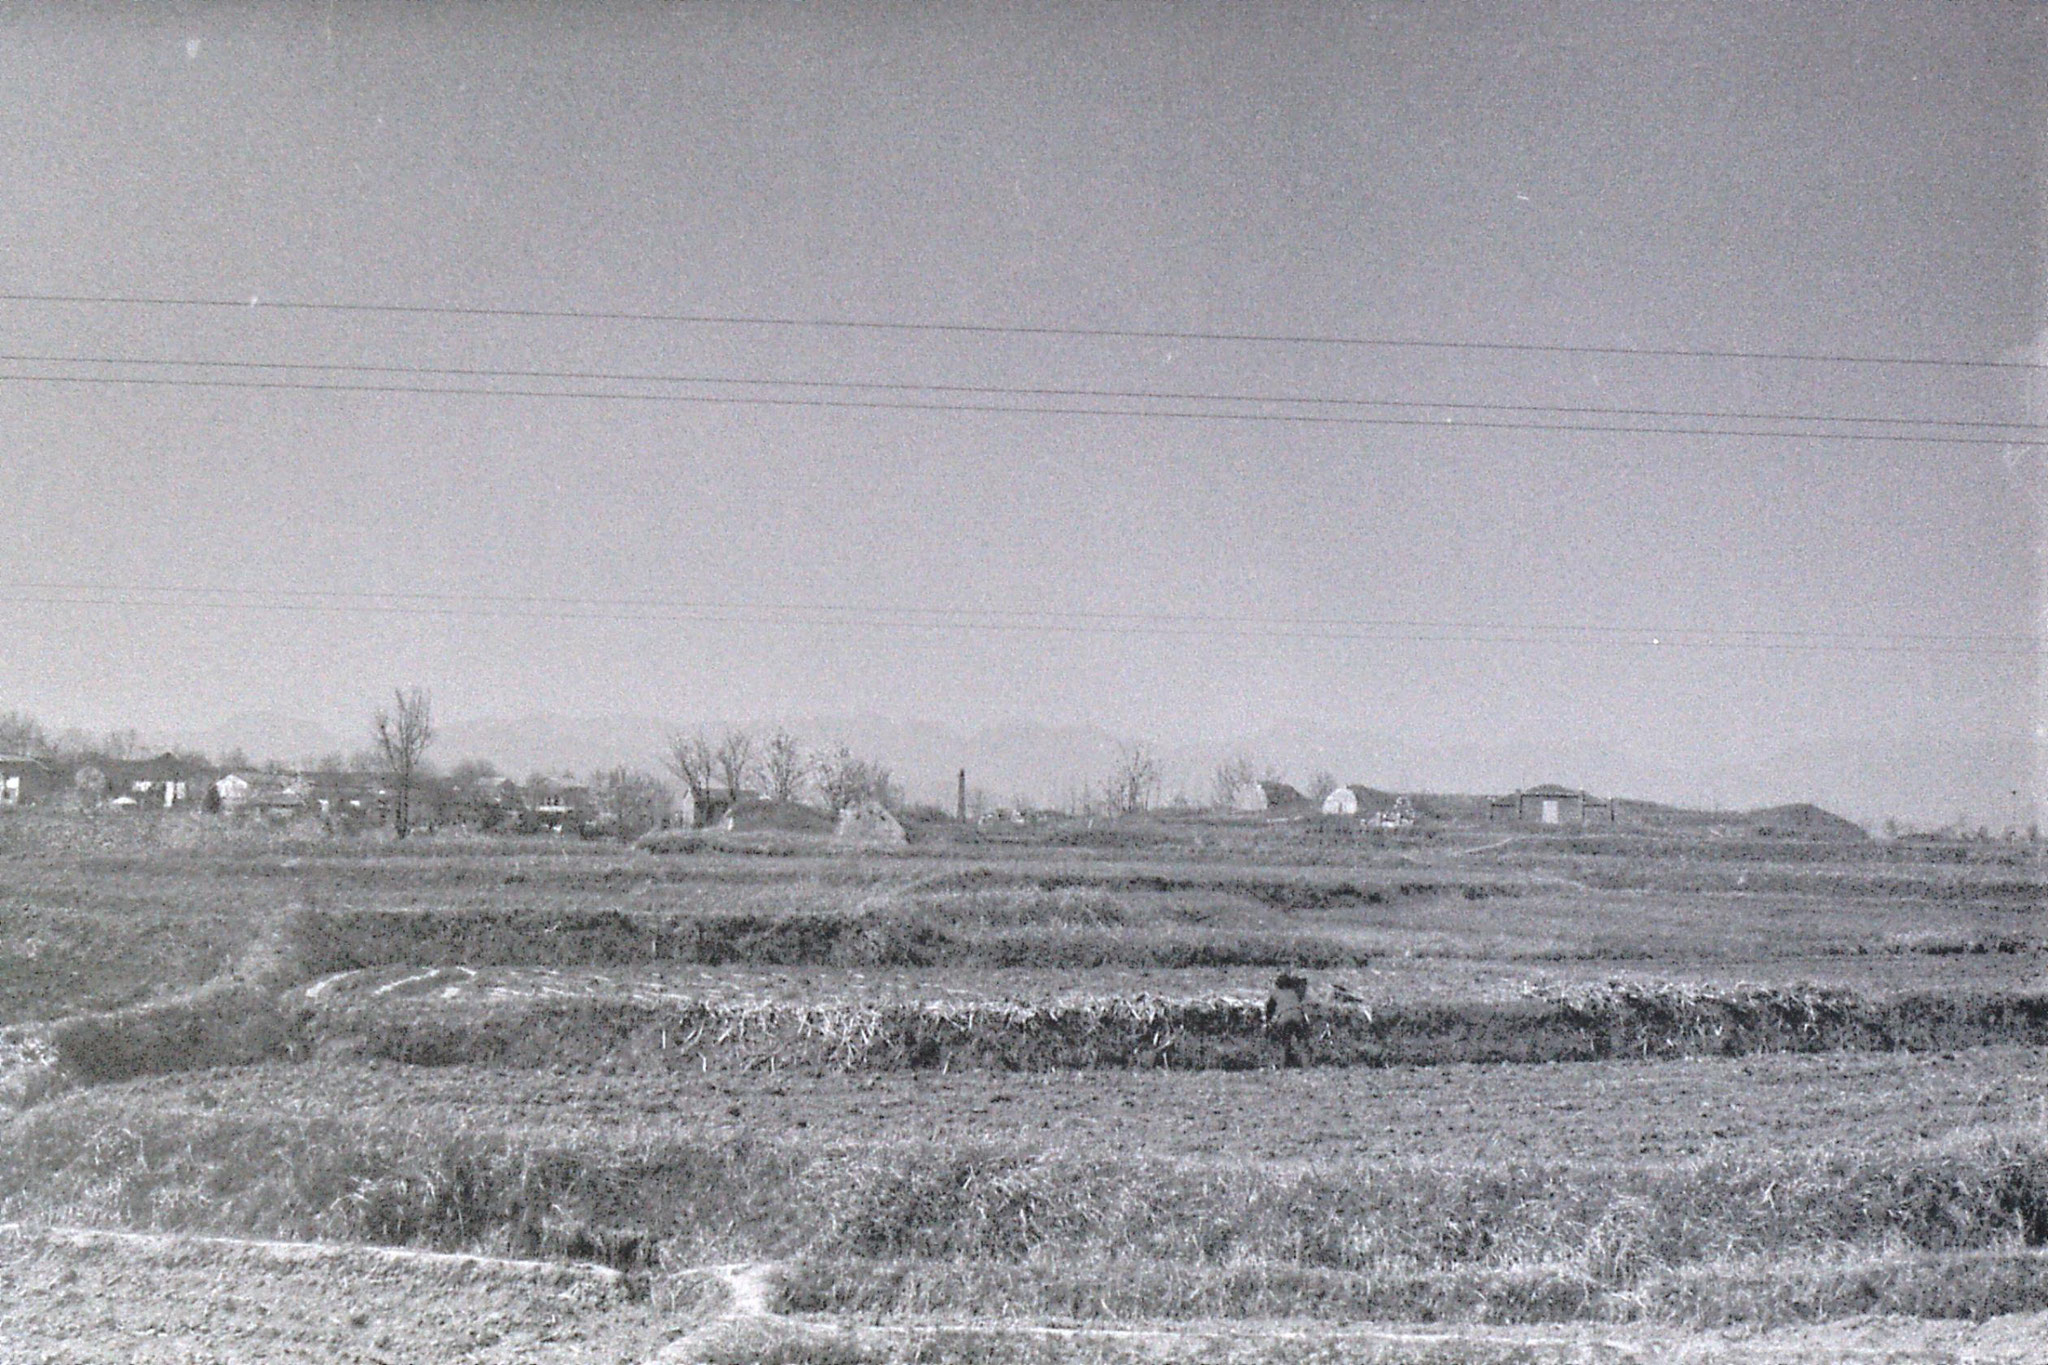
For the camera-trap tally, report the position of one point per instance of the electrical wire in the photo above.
(487, 607)
(1157, 414)
(1000, 329)
(1023, 391)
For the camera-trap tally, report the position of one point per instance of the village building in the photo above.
(277, 798)
(701, 810)
(230, 792)
(561, 804)
(165, 782)
(27, 781)
(1550, 804)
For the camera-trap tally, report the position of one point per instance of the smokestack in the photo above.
(963, 796)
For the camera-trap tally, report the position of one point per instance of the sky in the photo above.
(1838, 181)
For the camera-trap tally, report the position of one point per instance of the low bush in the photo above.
(227, 1025)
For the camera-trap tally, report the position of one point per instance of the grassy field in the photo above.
(1659, 1082)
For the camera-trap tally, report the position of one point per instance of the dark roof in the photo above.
(166, 767)
(1550, 789)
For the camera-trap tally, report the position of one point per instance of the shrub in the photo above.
(229, 1025)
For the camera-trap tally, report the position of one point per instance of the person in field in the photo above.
(1287, 1017)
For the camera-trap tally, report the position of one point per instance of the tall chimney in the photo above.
(963, 796)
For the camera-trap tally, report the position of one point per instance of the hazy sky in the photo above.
(1860, 179)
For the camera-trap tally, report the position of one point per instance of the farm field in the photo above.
(1571, 1098)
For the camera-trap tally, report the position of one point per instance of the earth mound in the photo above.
(783, 817)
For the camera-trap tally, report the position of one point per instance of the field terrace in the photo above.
(1557, 1079)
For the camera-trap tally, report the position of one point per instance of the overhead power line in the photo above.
(1009, 391)
(1212, 618)
(1015, 409)
(1003, 329)
(489, 606)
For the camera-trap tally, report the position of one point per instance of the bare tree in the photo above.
(782, 762)
(735, 760)
(635, 801)
(1135, 779)
(403, 735)
(473, 772)
(692, 760)
(846, 781)
(1321, 785)
(1232, 775)
(21, 733)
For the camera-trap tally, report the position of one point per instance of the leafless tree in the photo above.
(694, 762)
(1321, 785)
(782, 762)
(1232, 775)
(403, 735)
(1135, 779)
(846, 781)
(735, 758)
(635, 801)
(473, 772)
(21, 733)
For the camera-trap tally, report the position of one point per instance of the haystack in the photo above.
(1357, 800)
(1267, 795)
(870, 824)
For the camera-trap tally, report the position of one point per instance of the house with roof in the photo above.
(26, 780)
(228, 793)
(165, 782)
(278, 798)
(1550, 804)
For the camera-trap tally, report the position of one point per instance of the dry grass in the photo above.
(224, 1025)
(1007, 1218)
(921, 1228)
(1618, 1020)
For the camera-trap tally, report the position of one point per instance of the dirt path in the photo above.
(96, 1297)
(746, 1327)
(1487, 848)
